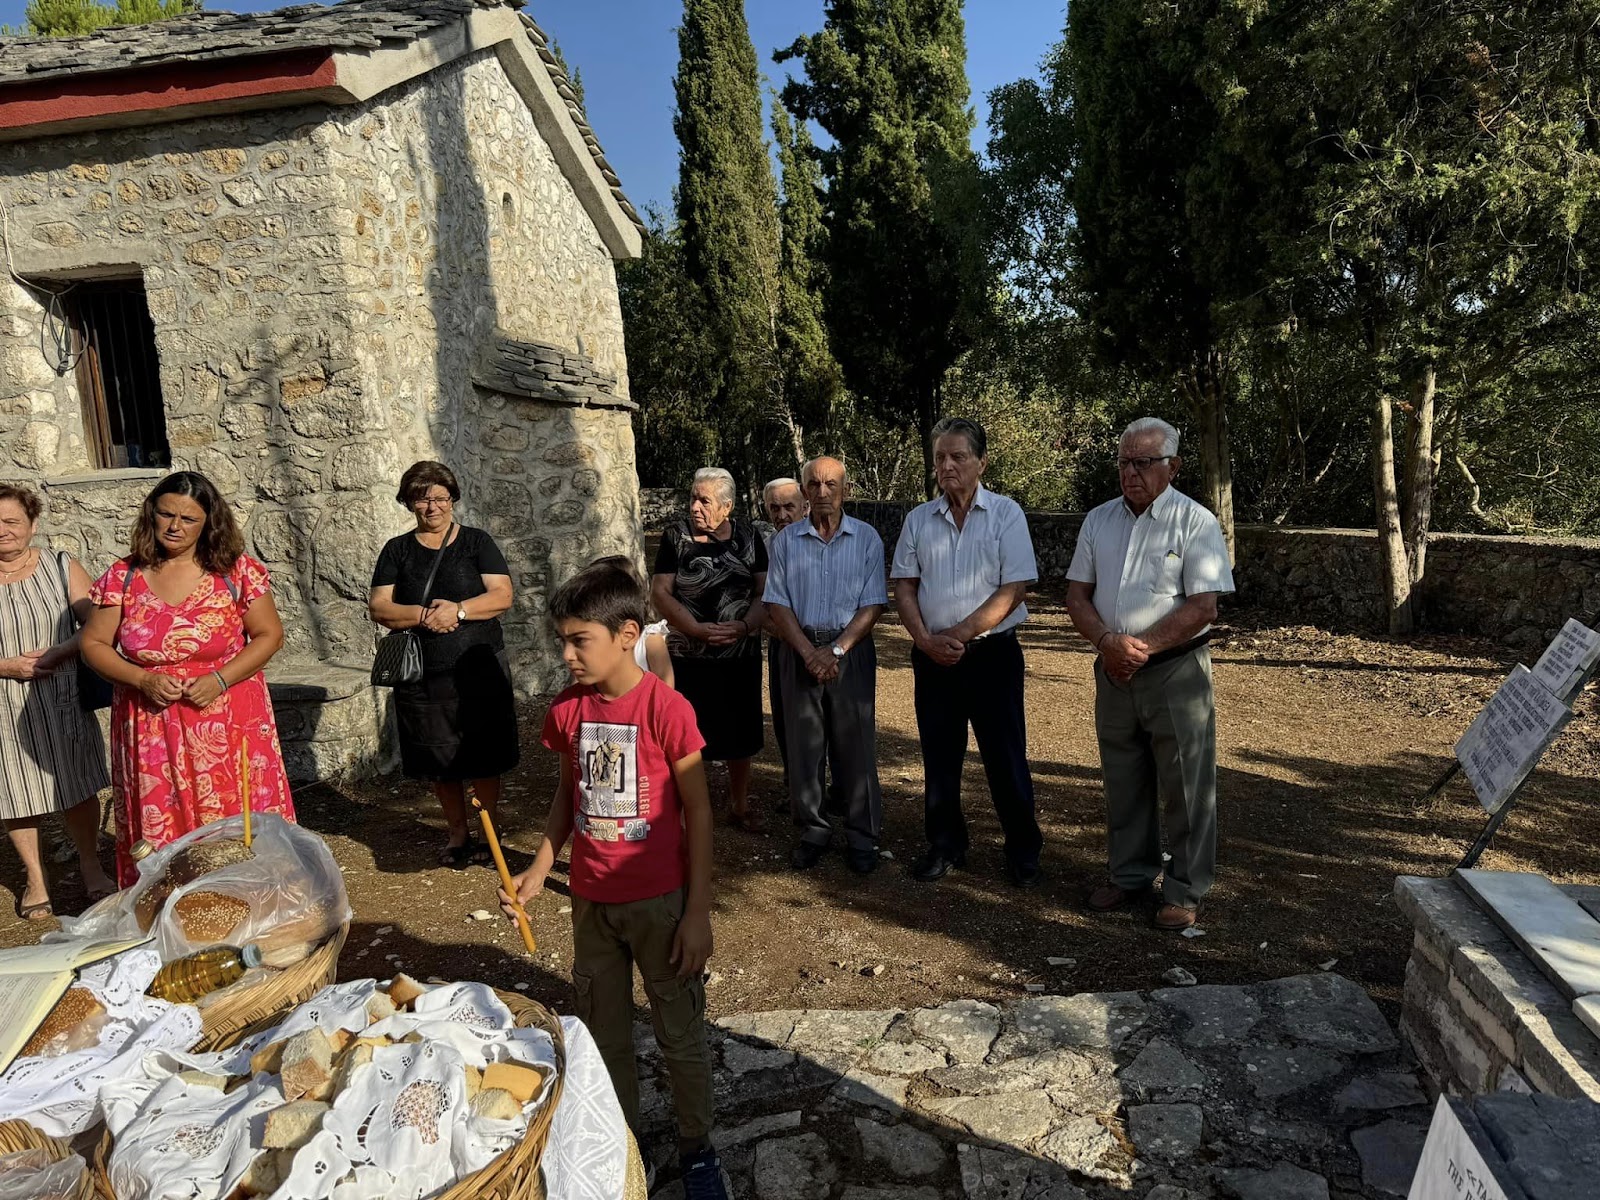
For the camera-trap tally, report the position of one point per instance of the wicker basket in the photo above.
(19, 1135)
(224, 1023)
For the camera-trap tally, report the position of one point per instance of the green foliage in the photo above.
(73, 18)
(906, 270)
(575, 78)
(728, 216)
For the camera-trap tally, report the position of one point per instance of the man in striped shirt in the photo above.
(825, 591)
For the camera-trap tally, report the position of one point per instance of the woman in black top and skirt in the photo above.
(458, 724)
(709, 576)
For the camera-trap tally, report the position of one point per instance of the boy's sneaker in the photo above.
(702, 1177)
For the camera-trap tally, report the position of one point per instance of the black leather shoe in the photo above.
(862, 862)
(935, 865)
(1024, 876)
(806, 855)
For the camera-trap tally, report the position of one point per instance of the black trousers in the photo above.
(983, 690)
(833, 721)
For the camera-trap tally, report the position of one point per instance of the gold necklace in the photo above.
(27, 561)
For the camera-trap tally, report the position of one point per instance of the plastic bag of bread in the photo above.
(30, 1175)
(283, 893)
(73, 1024)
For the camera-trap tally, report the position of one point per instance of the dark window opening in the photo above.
(119, 379)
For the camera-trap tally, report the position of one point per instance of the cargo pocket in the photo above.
(583, 996)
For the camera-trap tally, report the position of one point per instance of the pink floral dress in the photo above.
(177, 768)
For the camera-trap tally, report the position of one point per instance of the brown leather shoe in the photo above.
(1109, 896)
(1175, 918)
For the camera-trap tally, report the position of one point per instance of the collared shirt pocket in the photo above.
(1166, 576)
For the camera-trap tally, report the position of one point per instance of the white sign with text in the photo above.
(1505, 743)
(1451, 1166)
(1563, 667)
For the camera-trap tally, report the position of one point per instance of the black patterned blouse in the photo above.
(715, 581)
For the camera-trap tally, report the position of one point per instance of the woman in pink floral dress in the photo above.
(183, 627)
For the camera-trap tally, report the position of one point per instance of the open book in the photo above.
(33, 978)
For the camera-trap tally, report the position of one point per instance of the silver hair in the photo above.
(1169, 434)
(721, 478)
(773, 485)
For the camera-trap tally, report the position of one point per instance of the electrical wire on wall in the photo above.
(55, 331)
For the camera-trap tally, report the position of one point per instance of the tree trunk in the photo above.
(1422, 470)
(1205, 388)
(1386, 501)
(927, 408)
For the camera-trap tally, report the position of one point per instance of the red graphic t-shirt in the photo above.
(627, 840)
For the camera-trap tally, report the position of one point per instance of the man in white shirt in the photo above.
(825, 592)
(1142, 590)
(961, 569)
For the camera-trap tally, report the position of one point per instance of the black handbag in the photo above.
(398, 658)
(93, 692)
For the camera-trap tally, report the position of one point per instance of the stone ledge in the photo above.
(112, 477)
(540, 371)
(316, 682)
(1512, 1005)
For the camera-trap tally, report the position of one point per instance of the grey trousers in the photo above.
(1158, 753)
(837, 720)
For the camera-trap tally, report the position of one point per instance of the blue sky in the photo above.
(627, 51)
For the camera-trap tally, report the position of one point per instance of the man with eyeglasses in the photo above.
(1142, 590)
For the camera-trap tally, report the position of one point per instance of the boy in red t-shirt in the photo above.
(634, 801)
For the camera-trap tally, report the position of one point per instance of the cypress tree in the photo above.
(906, 266)
(811, 376)
(728, 215)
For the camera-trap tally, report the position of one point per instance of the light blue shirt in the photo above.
(824, 583)
(958, 569)
(1144, 567)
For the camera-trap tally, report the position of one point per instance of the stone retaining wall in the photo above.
(1479, 1014)
(1517, 590)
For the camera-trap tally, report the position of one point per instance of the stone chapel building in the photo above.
(298, 251)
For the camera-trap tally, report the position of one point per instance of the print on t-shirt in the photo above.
(613, 801)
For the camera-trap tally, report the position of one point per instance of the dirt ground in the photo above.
(1325, 742)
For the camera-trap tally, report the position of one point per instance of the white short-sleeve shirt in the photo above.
(1144, 567)
(958, 569)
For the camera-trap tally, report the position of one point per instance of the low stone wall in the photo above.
(331, 721)
(1516, 590)
(657, 506)
(1479, 1014)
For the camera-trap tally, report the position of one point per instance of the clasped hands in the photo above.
(722, 633)
(943, 647)
(33, 665)
(1122, 655)
(164, 690)
(440, 617)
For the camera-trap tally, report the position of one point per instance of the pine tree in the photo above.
(74, 18)
(907, 270)
(728, 213)
(812, 379)
(575, 78)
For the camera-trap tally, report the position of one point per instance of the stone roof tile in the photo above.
(213, 36)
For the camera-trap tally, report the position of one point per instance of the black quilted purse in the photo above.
(398, 658)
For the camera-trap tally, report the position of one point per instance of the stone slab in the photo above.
(1085, 1146)
(965, 1029)
(1102, 1020)
(1166, 1131)
(1278, 1071)
(1551, 1146)
(904, 1058)
(1218, 1015)
(1587, 1010)
(863, 1089)
(840, 1030)
(1380, 1092)
(904, 1151)
(890, 1193)
(1016, 1119)
(1159, 1069)
(1284, 1182)
(990, 1174)
(757, 1130)
(1389, 1154)
(741, 1058)
(1330, 1011)
(1552, 928)
(794, 1168)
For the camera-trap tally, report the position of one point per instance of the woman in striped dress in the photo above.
(52, 757)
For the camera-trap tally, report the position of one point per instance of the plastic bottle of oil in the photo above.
(187, 979)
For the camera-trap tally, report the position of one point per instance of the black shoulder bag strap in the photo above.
(427, 588)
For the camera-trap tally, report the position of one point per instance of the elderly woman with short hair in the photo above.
(709, 576)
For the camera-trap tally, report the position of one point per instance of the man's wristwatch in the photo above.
(461, 613)
(838, 650)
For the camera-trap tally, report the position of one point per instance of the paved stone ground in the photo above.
(1295, 1089)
